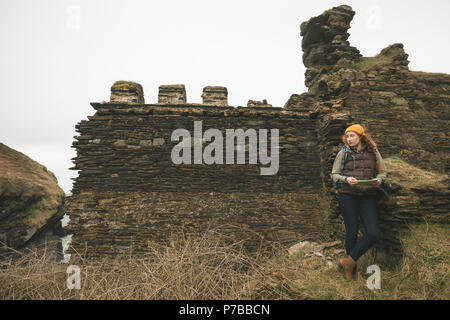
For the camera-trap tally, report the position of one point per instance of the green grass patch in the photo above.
(367, 63)
(409, 176)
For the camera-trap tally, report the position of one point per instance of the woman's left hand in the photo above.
(377, 183)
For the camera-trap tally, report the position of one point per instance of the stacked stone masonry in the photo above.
(215, 95)
(172, 94)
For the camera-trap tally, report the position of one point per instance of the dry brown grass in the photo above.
(208, 268)
(422, 274)
(202, 268)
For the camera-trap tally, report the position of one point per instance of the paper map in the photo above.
(366, 183)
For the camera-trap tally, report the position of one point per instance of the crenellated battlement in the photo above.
(128, 92)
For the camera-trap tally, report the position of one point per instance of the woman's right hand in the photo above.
(352, 181)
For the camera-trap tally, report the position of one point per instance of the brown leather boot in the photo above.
(355, 275)
(347, 266)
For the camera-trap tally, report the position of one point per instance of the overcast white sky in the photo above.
(57, 56)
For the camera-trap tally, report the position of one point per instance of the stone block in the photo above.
(127, 92)
(215, 95)
(172, 94)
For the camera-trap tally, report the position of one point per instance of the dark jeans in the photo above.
(365, 206)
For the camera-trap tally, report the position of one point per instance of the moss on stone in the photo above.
(409, 176)
(125, 84)
(366, 63)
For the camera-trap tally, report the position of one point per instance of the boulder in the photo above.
(31, 202)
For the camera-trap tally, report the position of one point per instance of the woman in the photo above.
(362, 162)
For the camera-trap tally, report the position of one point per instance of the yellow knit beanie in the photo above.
(355, 128)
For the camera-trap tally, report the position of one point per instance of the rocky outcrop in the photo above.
(31, 202)
(414, 196)
(325, 47)
(383, 95)
(378, 92)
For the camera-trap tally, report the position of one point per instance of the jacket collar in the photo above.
(364, 147)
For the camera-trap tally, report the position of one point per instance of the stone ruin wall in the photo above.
(128, 148)
(129, 193)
